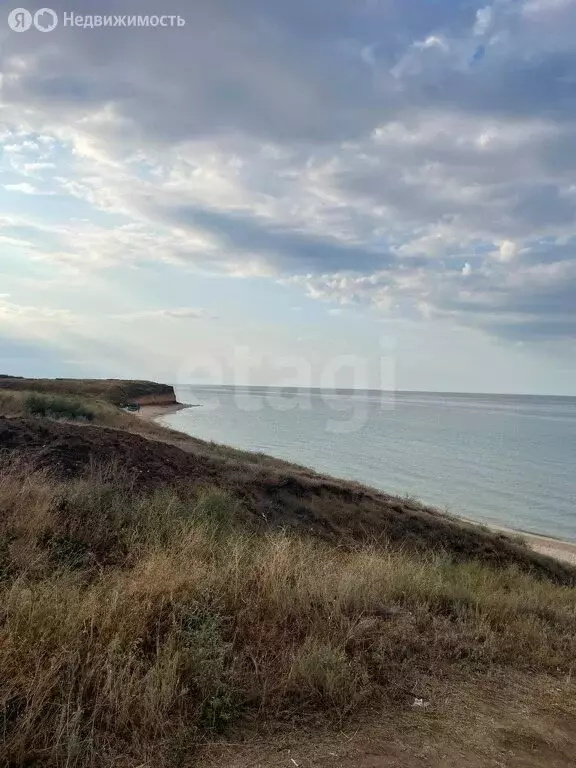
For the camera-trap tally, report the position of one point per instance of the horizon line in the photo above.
(296, 388)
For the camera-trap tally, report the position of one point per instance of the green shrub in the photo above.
(217, 509)
(57, 407)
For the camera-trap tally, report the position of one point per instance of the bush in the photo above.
(57, 407)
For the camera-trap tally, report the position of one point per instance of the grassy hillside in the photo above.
(155, 597)
(114, 391)
(271, 494)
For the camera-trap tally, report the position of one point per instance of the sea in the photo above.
(507, 460)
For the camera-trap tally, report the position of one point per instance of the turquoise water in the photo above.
(494, 458)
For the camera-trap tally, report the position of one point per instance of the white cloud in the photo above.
(24, 187)
(507, 251)
(432, 42)
(178, 313)
(35, 168)
(25, 317)
(484, 18)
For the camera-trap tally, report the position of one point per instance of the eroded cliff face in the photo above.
(167, 398)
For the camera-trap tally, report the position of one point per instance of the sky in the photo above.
(367, 193)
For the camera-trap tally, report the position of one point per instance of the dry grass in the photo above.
(67, 407)
(80, 408)
(116, 391)
(133, 626)
(93, 410)
(272, 494)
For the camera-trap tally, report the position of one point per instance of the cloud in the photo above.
(33, 169)
(24, 188)
(507, 251)
(281, 249)
(484, 17)
(25, 358)
(24, 315)
(177, 313)
(415, 159)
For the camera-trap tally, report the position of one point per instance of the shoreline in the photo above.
(544, 545)
(153, 412)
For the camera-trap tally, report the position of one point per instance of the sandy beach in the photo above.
(561, 550)
(150, 412)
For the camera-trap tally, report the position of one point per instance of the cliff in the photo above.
(116, 391)
(168, 398)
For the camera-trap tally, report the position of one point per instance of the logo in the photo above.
(45, 20)
(20, 20)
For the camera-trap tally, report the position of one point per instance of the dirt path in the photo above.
(521, 723)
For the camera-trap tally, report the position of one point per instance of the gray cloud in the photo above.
(287, 251)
